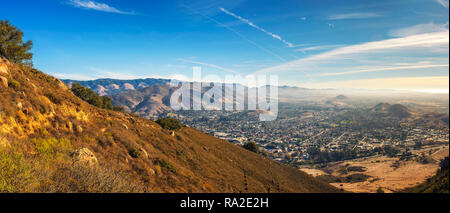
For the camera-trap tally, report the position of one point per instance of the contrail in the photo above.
(257, 27)
(237, 33)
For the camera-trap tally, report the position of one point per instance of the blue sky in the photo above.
(383, 44)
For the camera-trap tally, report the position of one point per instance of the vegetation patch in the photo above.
(169, 123)
(92, 98)
(134, 152)
(51, 147)
(356, 169)
(14, 84)
(251, 146)
(163, 163)
(15, 172)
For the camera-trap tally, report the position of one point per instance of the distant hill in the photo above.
(115, 86)
(396, 110)
(381, 107)
(341, 97)
(434, 120)
(52, 141)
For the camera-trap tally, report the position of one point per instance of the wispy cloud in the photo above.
(436, 84)
(104, 73)
(428, 41)
(73, 76)
(251, 24)
(444, 3)
(383, 69)
(353, 16)
(419, 29)
(315, 48)
(92, 5)
(207, 65)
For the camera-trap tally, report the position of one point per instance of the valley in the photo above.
(399, 144)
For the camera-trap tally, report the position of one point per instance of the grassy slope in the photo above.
(42, 123)
(436, 184)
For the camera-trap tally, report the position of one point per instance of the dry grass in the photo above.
(190, 162)
(384, 175)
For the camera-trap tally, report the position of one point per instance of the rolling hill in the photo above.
(395, 110)
(52, 141)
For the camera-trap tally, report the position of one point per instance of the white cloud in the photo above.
(427, 41)
(353, 16)
(303, 18)
(92, 5)
(73, 76)
(419, 29)
(257, 27)
(103, 73)
(444, 3)
(417, 66)
(314, 48)
(436, 84)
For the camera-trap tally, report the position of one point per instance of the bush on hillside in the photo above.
(251, 146)
(92, 98)
(12, 46)
(14, 84)
(169, 123)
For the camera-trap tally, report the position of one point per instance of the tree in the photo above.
(107, 103)
(12, 47)
(251, 146)
(87, 95)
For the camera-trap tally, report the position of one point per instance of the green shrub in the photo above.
(51, 147)
(14, 84)
(107, 103)
(169, 123)
(53, 98)
(251, 146)
(92, 98)
(118, 109)
(380, 190)
(135, 153)
(15, 172)
(167, 165)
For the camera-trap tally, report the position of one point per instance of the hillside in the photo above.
(396, 110)
(148, 101)
(434, 120)
(52, 141)
(436, 184)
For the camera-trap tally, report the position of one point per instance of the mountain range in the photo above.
(114, 86)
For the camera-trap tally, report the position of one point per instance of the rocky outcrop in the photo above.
(84, 157)
(144, 153)
(3, 71)
(3, 82)
(3, 66)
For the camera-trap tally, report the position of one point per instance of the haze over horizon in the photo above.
(400, 45)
